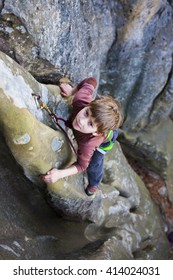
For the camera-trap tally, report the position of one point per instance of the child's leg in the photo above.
(95, 172)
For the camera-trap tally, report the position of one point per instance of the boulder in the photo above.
(121, 217)
(139, 73)
(127, 45)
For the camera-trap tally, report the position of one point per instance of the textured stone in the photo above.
(125, 44)
(129, 46)
(122, 209)
(19, 44)
(77, 37)
(27, 137)
(30, 229)
(139, 74)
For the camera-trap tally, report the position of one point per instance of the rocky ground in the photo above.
(158, 191)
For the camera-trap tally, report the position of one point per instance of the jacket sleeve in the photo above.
(85, 153)
(91, 81)
(84, 158)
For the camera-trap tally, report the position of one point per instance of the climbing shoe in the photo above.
(90, 190)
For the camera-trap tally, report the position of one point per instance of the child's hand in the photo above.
(66, 89)
(51, 176)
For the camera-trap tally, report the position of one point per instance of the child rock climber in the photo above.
(95, 127)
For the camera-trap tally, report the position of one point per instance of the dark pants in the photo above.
(95, 169)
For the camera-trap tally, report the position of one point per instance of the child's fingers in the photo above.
(51, 171)
(65, 89)
(63, 93)
(46, 178)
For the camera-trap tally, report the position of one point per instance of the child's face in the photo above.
(84, 122)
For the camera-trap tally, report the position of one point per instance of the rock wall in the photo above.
(69, 40)
(121, 213)
(30, 229)
(139, 73)
(126, 45)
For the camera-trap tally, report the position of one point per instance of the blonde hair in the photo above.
(106, 114)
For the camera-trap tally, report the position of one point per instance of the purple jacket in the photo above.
(87, 143)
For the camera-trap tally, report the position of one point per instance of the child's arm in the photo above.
(55, 174)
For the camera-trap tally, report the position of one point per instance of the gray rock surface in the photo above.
(121, 213)
(76, 30)
(139, 72)
(127, 45)
(30, 229)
